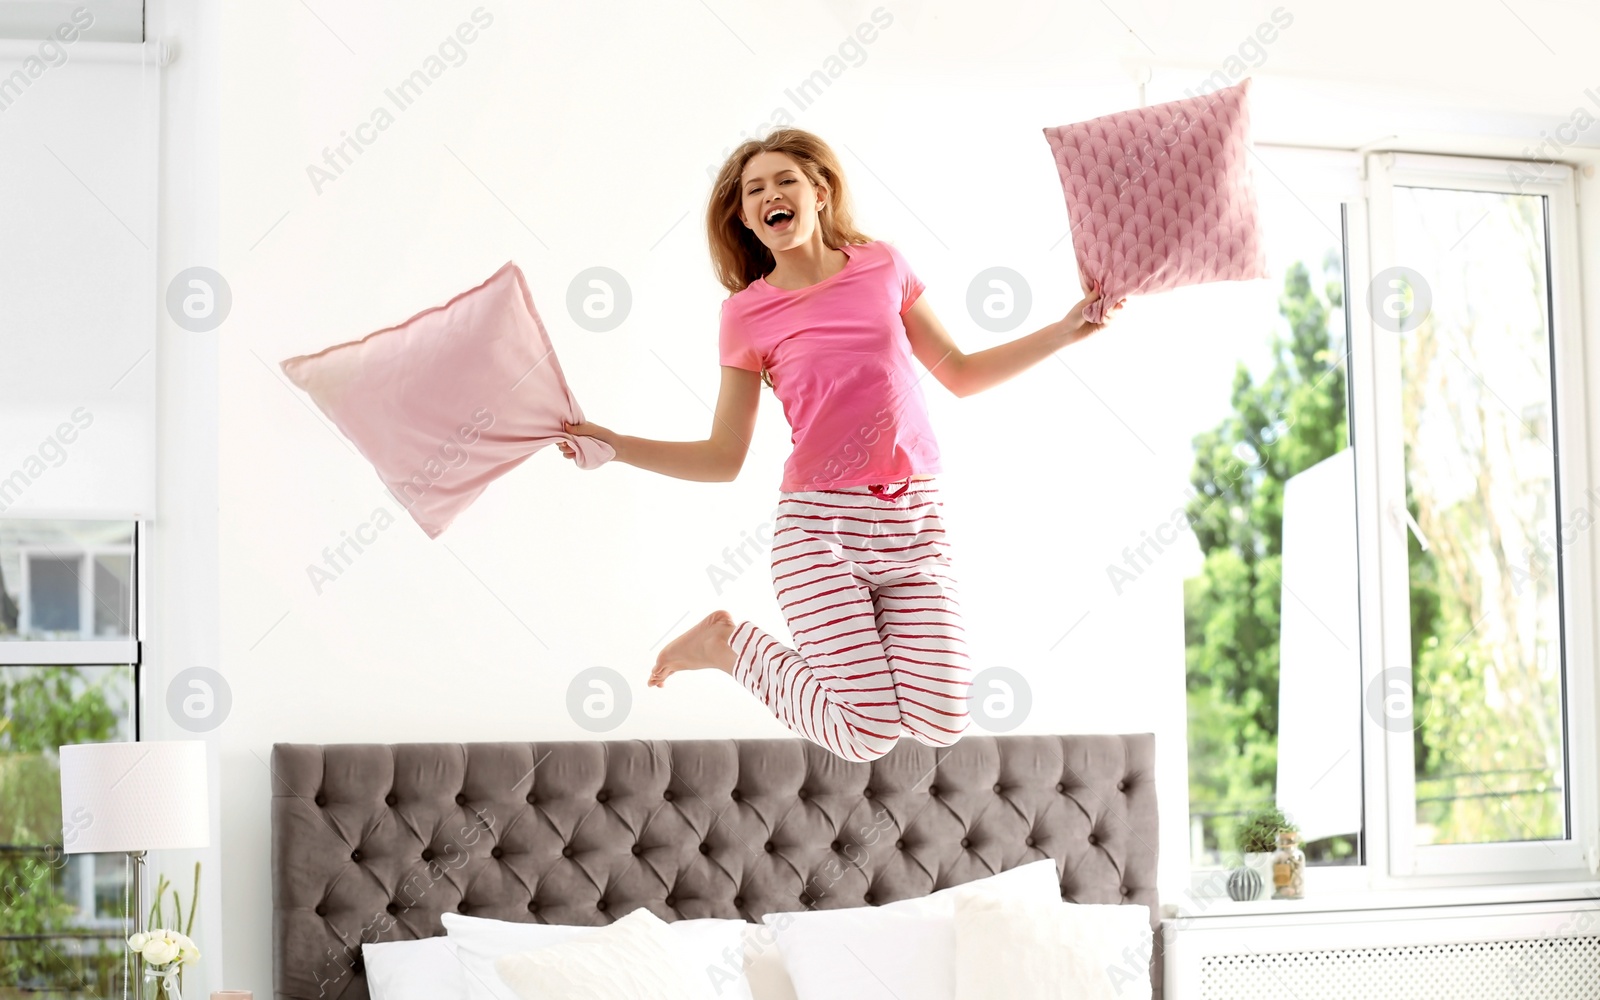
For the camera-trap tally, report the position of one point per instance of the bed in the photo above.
(585, 832)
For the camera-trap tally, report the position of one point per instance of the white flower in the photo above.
(136, 942)
(188, 954)
(159, 951)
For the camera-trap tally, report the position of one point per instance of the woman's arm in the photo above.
(965, 374)
(717, 459)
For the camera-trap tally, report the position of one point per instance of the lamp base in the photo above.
(137, 973)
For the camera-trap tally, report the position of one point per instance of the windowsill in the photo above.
(1202, 908)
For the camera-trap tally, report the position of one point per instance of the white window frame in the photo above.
(1393, 856)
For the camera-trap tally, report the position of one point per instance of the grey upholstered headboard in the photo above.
(373, 842)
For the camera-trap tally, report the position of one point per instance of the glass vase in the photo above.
(1288, 867)
(158, 986)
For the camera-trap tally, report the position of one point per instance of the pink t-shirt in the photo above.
(842, 367)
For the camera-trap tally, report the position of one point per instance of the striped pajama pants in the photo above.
(865, 583)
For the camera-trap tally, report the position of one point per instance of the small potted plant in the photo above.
(1258, 840)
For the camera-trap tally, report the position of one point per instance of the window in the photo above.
(68, 664)
(102, 20)
(1388, 635)
(1272, 631)
(1483, 516)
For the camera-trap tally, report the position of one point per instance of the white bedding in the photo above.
(1005, 936)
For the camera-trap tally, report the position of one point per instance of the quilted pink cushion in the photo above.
(1162, 197)
(450, 400)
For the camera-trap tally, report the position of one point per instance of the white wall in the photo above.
(570, 138)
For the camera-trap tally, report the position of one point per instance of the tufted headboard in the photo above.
(373, 842)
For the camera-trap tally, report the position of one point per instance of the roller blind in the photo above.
(78, 285)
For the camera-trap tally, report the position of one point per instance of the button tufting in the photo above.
(769, 847)
(705, 848)
(391, 799)
(602, 796)
(533, 799)
(566, 852)
(998, 788)
(736, 795)
(672, 901)
(358, 966)
(805, 899)
(496, 852)
(899, 845)
(803, 794)
(636, 850)
(393, 908)
(1060, 787)
(866, 898)
(1127, 891)
(967, 843)
(533, 907)
(355, 856)
(427, 854)
(1122, 786)
(320, 799)
(667, 795)
(738, 902)
(321, 909)
(461, 907)
(601, 906)
(1093, 839)
(836, 847)
(1029, 841)
(461, 798)
(867, 793)
(933, 790)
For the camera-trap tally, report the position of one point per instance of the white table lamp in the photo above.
(130, 798)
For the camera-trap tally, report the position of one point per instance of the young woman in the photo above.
(830, 321)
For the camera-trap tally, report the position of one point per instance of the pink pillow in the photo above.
(1162, 197)
(450, 400)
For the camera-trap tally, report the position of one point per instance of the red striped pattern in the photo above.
(866, 587)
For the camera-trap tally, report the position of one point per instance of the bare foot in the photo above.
(704, 645)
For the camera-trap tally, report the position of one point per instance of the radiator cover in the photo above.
(1546, 968)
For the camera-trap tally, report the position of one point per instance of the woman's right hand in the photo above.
(585, 429)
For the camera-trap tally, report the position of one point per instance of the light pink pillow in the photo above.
(450, 400)
(1162, 196)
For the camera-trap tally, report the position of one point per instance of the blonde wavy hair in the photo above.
(737, 256)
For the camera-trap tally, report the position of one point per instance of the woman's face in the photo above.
(777, 202)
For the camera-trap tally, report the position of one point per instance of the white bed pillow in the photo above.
(425, 969)
(1010, 949)
(870, 954)
(712, 948)
(897, 950)
(638, 957)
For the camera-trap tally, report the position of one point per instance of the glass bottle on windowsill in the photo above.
(1288, 867)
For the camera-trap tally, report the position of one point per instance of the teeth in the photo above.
(775, 213)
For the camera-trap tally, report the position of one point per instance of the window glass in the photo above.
(1481, 489)
(63, 921)
(1271, 607)
(66, 580)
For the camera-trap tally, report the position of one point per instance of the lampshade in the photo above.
(130, 797)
